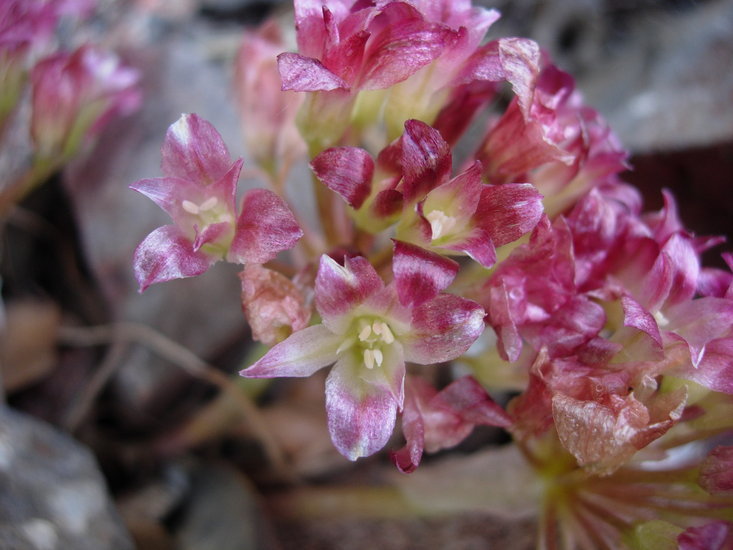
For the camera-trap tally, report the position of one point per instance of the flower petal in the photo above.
(194, 150)
(347, 171)
(300, 355)
(167, 254)
(420, 275)
(443, 329)
(509, 211)
(273, 305)
(341, 288)
(426, 160)
(265, 228)
(304, 74)
(361, 416)
(401, 43)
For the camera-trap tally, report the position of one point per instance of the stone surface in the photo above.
(222, 513)
(52, 495)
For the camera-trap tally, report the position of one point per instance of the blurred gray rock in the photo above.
(52, 495)
(223, 513)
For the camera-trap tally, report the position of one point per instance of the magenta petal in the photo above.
(715, 370)
(509, 211)
(194, 150)
(304, 74)
(167, 254)
(265, 228)
(420, 275)
(402, 42)
(347, 171)
(637, 317)
(698, 322)
(715, 535)
(300, 355)
(468, 399)
(211, 234)
(361, 416)
(478, 245)
(417, 392)
(340, 288)
(426, 160)
(169, 193)
(443, 329)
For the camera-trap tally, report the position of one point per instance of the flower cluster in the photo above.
(530, 265)
(74, 95)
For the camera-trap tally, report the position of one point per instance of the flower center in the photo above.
(207, 212)
(440, 223)
(372, 336)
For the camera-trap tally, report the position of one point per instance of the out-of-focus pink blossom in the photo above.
(75, 95)
(267, 113)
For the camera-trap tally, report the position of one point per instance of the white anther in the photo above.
(369, 358)
(382, 329)
(440, 224)
(208, 204)
(378, 356)
(190, 207)
(365, 333)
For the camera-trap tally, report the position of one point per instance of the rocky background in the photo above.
(125, 423)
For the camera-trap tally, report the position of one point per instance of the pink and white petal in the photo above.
(443, 329)
(458, 197)
(304, 74)
(339, 289)
(639, 318)
(468, 399)
(426, 160)
(194, 150)
(225, 189)
(265, 228)
(715, 369)
(698, 322)
(509, 211)
(685, 264)
(347, 171)
(578, 321)
(407, 459)
(516, 60)
(300, 355)
(211, 234)
(361, 417)
(401, 43)
(390, 376)
(169, 194)
(477, 244)
(420, 275)
(167, 254)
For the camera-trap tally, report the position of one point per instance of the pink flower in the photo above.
(75, 96)
(459, 216)
(198, 192)
(435, 420)
(267, 113)
(426, 54)
(369, 334)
